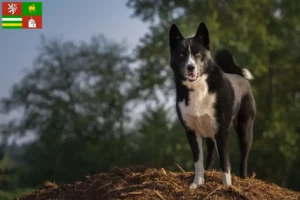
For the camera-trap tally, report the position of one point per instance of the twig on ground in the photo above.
(104, 186)
(159, 195)
(180, 168)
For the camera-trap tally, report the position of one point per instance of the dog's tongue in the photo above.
(191, 76)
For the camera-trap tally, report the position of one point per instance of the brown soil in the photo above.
(147, 183)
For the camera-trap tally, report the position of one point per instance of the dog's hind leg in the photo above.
(244, 130)
(210, 144)
(223, 152)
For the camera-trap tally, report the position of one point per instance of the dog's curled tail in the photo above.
(226, 61)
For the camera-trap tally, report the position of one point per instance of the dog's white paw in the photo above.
(193, 186)
(226, 179)
(198, 180)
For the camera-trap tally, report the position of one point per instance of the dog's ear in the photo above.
(203, 35)
(174, 36)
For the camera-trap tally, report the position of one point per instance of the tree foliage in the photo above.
(73, 102)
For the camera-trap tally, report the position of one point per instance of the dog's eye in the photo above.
(198, 54)
(181, 55)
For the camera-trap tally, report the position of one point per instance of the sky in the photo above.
(72, 20)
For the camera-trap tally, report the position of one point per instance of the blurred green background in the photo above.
(97, 104)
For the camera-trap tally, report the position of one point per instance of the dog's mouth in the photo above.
(190, 76)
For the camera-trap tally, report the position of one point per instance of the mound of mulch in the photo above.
(145, 184)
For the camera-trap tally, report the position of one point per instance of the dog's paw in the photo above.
(198, 180)
(193, 186)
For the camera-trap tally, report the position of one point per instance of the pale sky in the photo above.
(73, 20)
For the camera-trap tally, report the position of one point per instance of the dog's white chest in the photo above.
(199, 114)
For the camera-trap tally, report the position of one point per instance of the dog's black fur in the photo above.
(229, 88)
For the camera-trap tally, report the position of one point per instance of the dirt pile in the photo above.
(142, 183)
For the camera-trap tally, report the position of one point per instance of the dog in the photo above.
(212, 94)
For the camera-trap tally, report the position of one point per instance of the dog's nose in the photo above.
(190, 68)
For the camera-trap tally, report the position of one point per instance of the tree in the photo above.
(74, 101)
(159, 141)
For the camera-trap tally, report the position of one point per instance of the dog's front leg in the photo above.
(210, 153)
(197, 150)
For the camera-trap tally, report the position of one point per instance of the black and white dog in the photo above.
(211, 94)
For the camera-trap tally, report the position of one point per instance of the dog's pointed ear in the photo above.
(174, 36)
(203, 35)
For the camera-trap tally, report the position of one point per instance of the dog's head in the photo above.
(189, 56)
